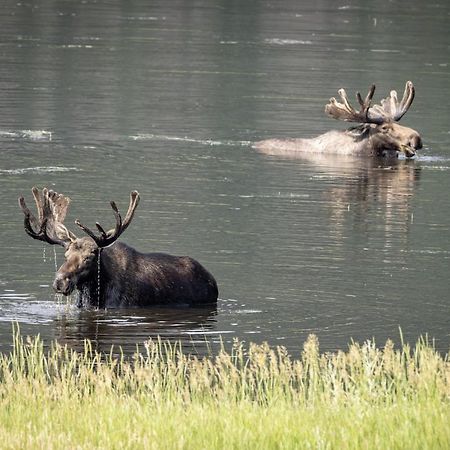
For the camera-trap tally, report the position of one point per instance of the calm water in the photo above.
(102, 97)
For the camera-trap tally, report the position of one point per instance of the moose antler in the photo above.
(389, 109)
(48, 226)
(345, 111)
(108, 237)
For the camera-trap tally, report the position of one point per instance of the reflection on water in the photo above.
(360, 184)
(353, 186)
(166, 98)
(128, 329)
(193, 328)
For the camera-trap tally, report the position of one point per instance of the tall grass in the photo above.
(249, 397)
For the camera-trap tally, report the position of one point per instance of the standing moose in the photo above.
(377, 135)
(107, 273)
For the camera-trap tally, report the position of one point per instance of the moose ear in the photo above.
(64, 234)
(360, 132)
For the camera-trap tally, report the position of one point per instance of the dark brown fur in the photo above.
(129, 278)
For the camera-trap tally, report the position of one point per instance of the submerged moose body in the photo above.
(378, 133)
(108, 273)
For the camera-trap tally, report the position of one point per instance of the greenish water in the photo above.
(99, 98)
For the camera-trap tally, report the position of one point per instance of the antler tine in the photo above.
(408, 97)
(134, 202)
(345, 111)
(31, 223)
(58, 203)
(390, 109)
(101, 229)
(106, 238)
(39, 201)
(344, 98)
(30, 220)
(87, 231)
(368, 98)
(119, 229)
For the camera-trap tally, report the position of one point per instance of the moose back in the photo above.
(108, 273)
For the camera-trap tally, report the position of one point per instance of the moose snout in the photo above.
(62, 284)
(415, 142)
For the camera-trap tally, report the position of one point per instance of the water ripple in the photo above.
(39, 170)
(278, 41)
(33, 135)
(211, 142)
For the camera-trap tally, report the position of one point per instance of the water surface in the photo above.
(99, 98)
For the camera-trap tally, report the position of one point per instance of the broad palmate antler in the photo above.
(389, 109)
(48, 226)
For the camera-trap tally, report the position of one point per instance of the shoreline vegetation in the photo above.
(250, 397)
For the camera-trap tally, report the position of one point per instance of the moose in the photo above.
(107, 273)
(378, 133)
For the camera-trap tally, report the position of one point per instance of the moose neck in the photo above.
(91, 292)
(107, 284)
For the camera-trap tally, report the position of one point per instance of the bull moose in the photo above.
(108, 273)
(378, 133)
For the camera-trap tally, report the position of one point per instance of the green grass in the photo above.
(256, 397)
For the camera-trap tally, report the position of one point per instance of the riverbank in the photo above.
(249, 397)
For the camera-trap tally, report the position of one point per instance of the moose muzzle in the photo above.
(63, 284)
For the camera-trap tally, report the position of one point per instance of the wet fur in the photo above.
(129, 278)
(361, 140)
(335, 142)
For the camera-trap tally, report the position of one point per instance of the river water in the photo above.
(102, 97)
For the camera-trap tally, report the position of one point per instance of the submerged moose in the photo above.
(107, 273)
(377, 135)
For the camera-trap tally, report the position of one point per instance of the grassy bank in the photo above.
(255, 397)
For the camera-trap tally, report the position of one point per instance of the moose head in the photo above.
(81, 253)
(379, 122)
